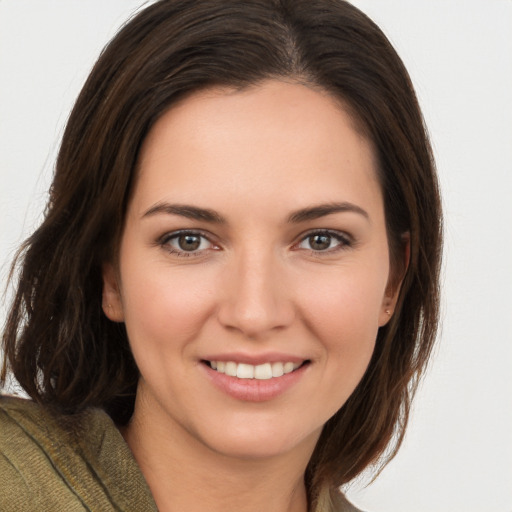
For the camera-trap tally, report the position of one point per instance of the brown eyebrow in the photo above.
(205, 214)
(321, 210)
(184, 210)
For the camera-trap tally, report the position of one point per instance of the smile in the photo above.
(263, 371)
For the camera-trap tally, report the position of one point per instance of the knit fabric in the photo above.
(71, 463)
(75, 463)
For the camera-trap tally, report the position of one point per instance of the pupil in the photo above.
(189, 242)
(320, 242)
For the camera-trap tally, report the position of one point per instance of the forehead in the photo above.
(277, 141)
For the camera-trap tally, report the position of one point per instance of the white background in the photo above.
(457, 456)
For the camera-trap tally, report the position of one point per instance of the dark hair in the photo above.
(58, 343)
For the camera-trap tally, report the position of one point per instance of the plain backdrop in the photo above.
(457, 456)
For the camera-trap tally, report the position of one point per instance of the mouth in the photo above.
(264, 371)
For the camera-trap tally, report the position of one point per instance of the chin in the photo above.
(254, 443)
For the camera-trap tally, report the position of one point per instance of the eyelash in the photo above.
(175, 235)
(344, 242)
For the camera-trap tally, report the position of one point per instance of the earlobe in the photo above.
(111, 298)
(389, 302)
(395, 282)
(385, 314)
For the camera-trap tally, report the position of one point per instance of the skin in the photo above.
(254, 286)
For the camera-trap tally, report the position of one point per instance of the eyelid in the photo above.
(163, 241)
(346, 240)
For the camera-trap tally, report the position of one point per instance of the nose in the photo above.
(256, 300)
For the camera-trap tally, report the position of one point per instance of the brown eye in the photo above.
(320, 242)
(186, 243)
(189, 242)
(325, 241)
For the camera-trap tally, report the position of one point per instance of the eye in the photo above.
(186, 243)
(324, 241)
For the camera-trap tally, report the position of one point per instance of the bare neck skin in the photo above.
(184, 474)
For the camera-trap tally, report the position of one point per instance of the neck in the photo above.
(185, 474)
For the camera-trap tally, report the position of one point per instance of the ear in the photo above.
(111, 298)
(395, 282)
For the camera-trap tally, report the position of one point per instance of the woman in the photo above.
(235, 287)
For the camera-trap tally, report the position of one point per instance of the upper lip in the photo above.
(256, 359)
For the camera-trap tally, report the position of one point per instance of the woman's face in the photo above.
(254, 243)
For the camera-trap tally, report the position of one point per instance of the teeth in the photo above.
(288, 367)
(263, 371)
(230, 369)
(277, 369)
(245, 371)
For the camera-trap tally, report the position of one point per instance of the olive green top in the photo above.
(75, 463)
(66, 463)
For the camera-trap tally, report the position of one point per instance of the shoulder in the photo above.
(57, 462)
(341, 504)
(331, 500)
(30, 426)
(348, 507)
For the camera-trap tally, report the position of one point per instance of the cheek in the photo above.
(344, 300)
(343, 311)
(161, 304)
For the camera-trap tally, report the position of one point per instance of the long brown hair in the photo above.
(59, 345)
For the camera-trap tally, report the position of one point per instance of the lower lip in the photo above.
(255, 390)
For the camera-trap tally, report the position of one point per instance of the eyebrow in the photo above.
(184, 210)
(321, 210)
(208, 215)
